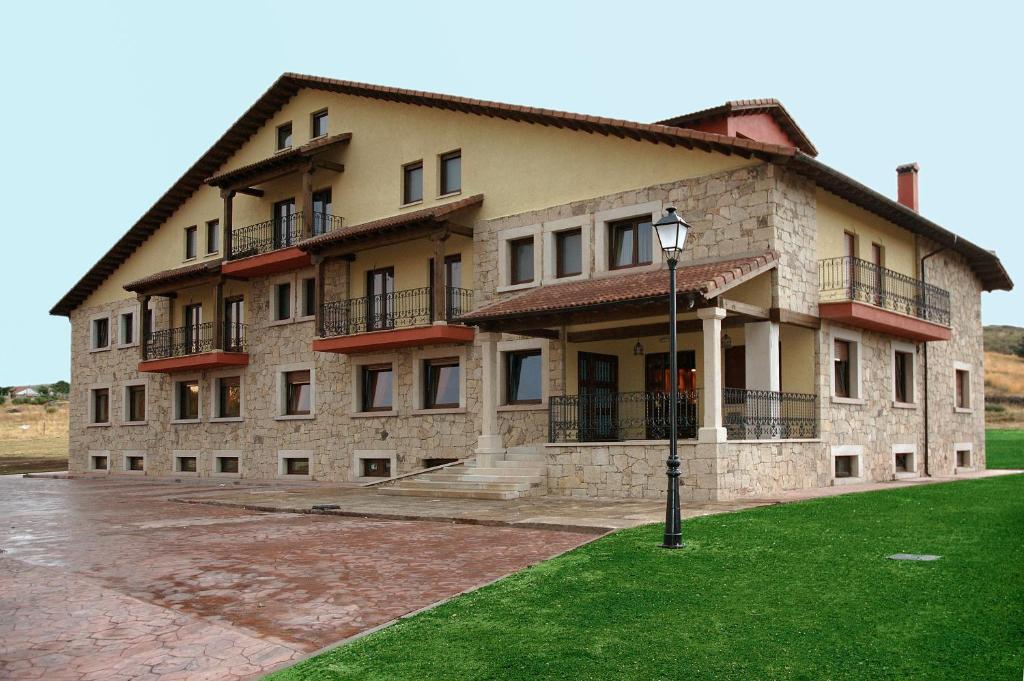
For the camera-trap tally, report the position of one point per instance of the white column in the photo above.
(712, 431)
(762, 355)
(489, 445)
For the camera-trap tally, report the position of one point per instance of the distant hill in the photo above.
(1003, 339)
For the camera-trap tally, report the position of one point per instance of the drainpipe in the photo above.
(927, 472)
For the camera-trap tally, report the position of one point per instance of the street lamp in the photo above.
(672, 231)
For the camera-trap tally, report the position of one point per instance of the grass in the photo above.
(1004, 449)
(33, 439)
(798, 591)
(1004, 374)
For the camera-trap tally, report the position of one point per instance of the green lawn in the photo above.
(1004, 448)
(798, 591)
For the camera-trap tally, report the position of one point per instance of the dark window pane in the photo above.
(284, 136)
(377, 385)
(230, 397)
(128, 328)
(442, 384)
(190, 242)
(622, 246)
(308, 297)
(569, 253)
(644, 233)
(137, 403)
(842, 368)
(319, 123)
(101, 405)
(297, 393)
(296, 466)
(101, 333)
(283, 306)
(321, 211)
(451, 172)
(136, 463)
(376, 468)
(412, 189)
(186, 464)
(902, 371)
(521, 251)
(213, 236)
(188, 400)
(523, 377)
(227, 464)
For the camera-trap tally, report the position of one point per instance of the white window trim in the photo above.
(856, 451)
(124, 402)
(94, 453)
(178, 454)
(272, 298)
(285, 454)
(601, 221)
(505, 347)
(854, 338)
(92, 332)
(131, 453)
(910, 449)
(551, 229)
(505, 237)
(282, 401)
(964, 446)
(963, 366)
(300, 296)
(418, 357)
(215, 377)
(359, 454)
(136, 313)
(174, 400)
(911, 349)
(360, 361)
(91, 409)
(224, 453)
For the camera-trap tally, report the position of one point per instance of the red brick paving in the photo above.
(106, 579)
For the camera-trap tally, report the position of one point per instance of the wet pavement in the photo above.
(110, 579)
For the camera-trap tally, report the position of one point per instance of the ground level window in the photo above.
(296, 466)
(227, 464)
(903, 464)
(523, 377)
(99, 463)
(846, 467)
(186, 464)
(136, 463)
(441, 384)
(376, 468)
(963, 458)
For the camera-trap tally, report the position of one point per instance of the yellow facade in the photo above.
(837, 216)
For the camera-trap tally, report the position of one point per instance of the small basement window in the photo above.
(376, 468)
(963, 458)
(296, 466)
(186, 464)
(135, 463)
(846, 466)
(99, 462)
(903, 464)
(227, 464)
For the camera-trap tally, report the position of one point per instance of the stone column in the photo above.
(489, 446)
(712, 430)
(762, 341)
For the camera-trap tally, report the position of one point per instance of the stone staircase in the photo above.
(523, 472)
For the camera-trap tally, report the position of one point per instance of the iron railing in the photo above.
(412, 307)
(282, 232)
(614, 417)
(191, 340)
(769, 415)
(848, 278)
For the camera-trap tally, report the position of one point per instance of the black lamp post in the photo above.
(672, 231)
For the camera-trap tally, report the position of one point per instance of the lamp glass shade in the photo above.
(672, 231)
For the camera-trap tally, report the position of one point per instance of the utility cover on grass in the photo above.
(913, 556)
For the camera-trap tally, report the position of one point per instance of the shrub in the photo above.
(995, 408)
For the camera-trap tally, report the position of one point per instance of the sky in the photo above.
(105, 104)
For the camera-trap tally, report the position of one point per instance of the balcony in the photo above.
(391, 320)
(626, 416)
(196, 347)
(271, 247)
(862, 294)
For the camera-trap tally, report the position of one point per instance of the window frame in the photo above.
(559, 237)
(602, 247)
(215, 463)
(963, 447)
(319, 114)
(431, 364)
(419, 357)
(191, 242)
(634, 224)
(854, 451)
(93, 454)
(133, 454)
(856, 383)
(908, 350)
(136, 329)
(275, 299)
(961, 368)
(910, 451)
(127, 402)
(512, 250)
(306, 298)
(217, 398)
(176, 413)
(278, 146)
(93, 392)
(93, 345)
(365, 371)
(281, 407)
(506, 348)
(442, 172)
(406, 199)
(213, 229)
(178, 454)
(283, 455)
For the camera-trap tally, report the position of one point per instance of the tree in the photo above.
(1019, 350)
(61, 387)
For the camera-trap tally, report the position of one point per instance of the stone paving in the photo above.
(109, 579)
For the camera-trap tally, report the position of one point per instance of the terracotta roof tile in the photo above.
(280, 159)
(704, 278)
(195, 271)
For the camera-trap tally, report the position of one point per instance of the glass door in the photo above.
(284, 223)
(598, 378)
(233, 320)
(658, 385)
(321, 211)
(193, 320)
(380, 299)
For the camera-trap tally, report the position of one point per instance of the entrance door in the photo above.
(193, 319)
(321, 211)
(452, 280)
(284, 223)
(233, 320)
(658, 385)
(380, 294)
(598, 379)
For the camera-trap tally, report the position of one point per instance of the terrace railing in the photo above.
(192, 340)
(396, 309)
(851, 279)
(769, 415)
(272, 235)
(615, 417)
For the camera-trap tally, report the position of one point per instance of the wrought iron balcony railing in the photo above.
(272, 235)
(412, 307)
(192, 340)
(851, 279)
(769, 415)
(614, 417)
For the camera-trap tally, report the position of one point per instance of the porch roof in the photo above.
(160, 280)
(706, 279)
(283, 161)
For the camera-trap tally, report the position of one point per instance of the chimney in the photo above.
(906, 185)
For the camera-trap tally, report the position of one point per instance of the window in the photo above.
(98, 462)
(841, 356)
(126, 328)
(963, 389)
(100, 400)
(451, 172)
(186, 398)
(630, 243)
(229, 397)
(212, 236)
(318, 127)
(377, 381)
(297, 393)
(441, 383)
(135, 403)
(282, 301)
(903, 376)
(226, 464)
(412, 182)
(963, 458)
(135, 463)
(846, 374)
(296, 467)
(308, 297)
(846, 466)
(186, 464)
(190, 242)
(100, 333)
(523, 377)
(903, 464)
(521, 266)
(375, 468)
(569, 253)
(284, 136)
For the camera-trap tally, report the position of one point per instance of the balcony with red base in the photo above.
(193, 348)
(867, 296)
(397, 319)
(272, 247)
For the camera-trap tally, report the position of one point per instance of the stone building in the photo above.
(357, 282)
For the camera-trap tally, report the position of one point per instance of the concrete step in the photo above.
(529, 471)
(529, 463)
(524, 456)
(517, 486)
(480, 477)
(502, 495)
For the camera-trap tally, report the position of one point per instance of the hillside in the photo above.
(1003, 339)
